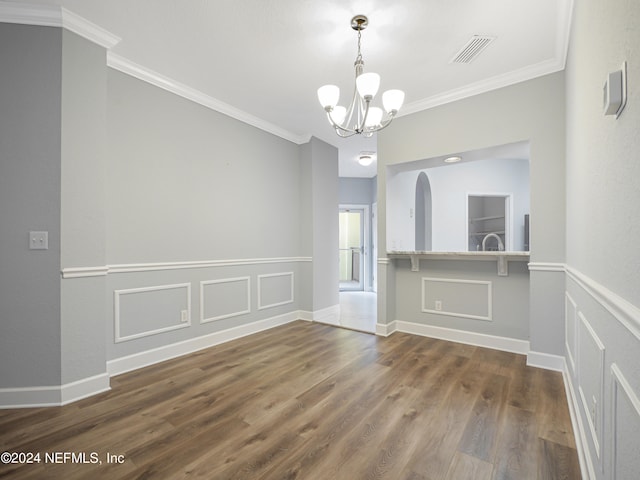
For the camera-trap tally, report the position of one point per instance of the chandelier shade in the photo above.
(360, 118)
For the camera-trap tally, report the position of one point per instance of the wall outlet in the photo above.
(184, 316)
(438, 305)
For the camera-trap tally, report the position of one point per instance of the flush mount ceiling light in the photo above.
(360, 117)
(365, 158)
(452, 159)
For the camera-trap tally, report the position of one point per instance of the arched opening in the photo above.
(423, 214)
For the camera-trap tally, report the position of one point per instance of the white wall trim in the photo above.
(149, 357)
(499, 81)
(489, 315)
(30, 14)
(571, 349)
(262, 306)
(594, 428)
(386, 330)
(83, 272)
(619, 383)
(84, 388)
(86, 29)
(625, 312)
(329, 315)
(546, 267)
(51, 396)
(118, 338)
(584, 457)
(145, 74)
(546, 361)
(76, 272)
(512, 345)
(227, 315)
(56, 16)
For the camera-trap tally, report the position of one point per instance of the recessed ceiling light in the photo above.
(452, 159)
(366, 158)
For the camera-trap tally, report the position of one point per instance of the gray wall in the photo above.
(188, 184)
(603, 227)
(30, 123)
(532, 110)
(83, 206)
(158, 210)
(323, 159)
(359, 191)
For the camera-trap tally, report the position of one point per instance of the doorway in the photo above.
(353, 239)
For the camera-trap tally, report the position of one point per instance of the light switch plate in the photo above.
(38, 240)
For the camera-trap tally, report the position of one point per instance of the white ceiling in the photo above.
(263, 60)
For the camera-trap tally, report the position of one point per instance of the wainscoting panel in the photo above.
(457, 298)
(140, 312)
(605, 383)
(570, 312)
(626, 425)
(225, 298)
(591, 379)
(275, 289)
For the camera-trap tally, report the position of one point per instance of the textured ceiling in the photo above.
(266, 58)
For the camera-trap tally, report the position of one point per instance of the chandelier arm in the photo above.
(352, 107)
(367, 101)
(338, 127)
(345, 135)
(384, 124)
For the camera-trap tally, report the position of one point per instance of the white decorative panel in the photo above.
(275, 289)
(140, 312)
(625, 418)
(457, 298)
(224, 298)
(591, 378)
(570, 312)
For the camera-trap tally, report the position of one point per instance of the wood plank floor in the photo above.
(309, 401)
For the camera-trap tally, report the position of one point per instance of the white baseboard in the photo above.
(329, 315)
(51, 396)
(546, 361)
(385, 330)
(512, 345)
(167, 352)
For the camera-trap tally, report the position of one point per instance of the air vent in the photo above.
(472, 49)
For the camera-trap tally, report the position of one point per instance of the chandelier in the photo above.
(360, 117)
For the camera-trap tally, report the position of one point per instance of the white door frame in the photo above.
(366, 242)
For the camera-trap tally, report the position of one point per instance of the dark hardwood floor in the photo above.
(309, 401)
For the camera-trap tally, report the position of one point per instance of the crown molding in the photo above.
(30, 14)
(55, 16)
(494, 83)
(145, 74)
(553, 65)
(88, 30)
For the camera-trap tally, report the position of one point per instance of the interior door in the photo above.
(351, 244)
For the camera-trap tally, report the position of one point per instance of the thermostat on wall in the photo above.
(615, 92)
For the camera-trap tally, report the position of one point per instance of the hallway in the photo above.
(358, 311)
